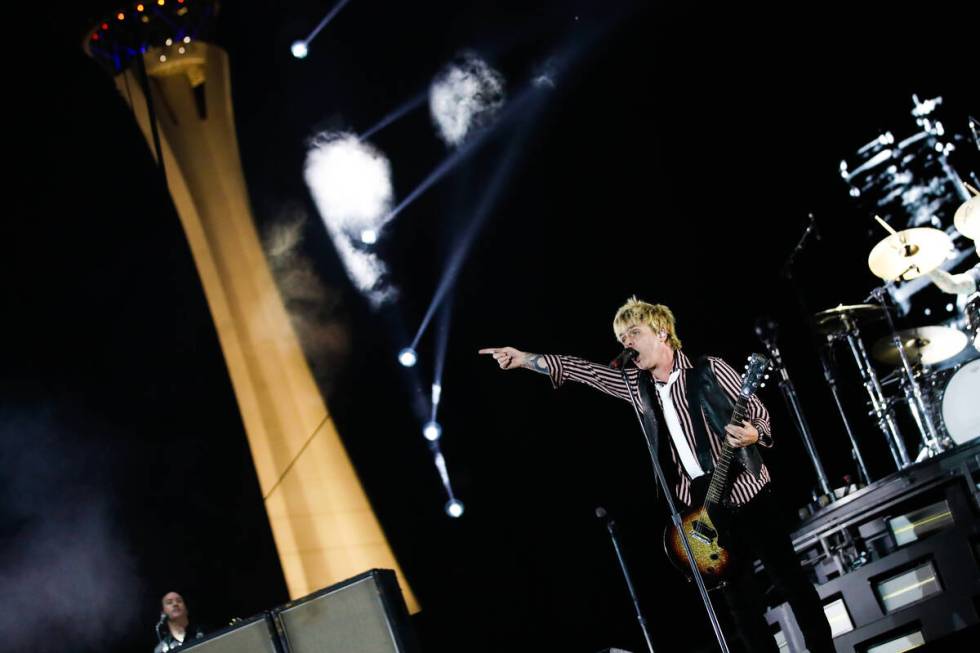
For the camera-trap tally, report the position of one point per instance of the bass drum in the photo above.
(961, 408)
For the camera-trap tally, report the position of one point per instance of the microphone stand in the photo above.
(601, 513)
(162, 620)
(765, 330)
(676, 518)
(822, 347)
(787, 270)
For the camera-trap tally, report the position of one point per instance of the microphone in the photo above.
(625, 356)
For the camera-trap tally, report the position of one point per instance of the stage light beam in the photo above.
(304, 44)
(432, 431)
(299, 49)
(455, 508)
(402, 110)
(407, 357)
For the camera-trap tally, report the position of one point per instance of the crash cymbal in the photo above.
(967, 218)
(833, 319)
(925, 345)
(910, 253)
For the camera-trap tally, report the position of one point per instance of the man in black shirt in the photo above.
(175, 627)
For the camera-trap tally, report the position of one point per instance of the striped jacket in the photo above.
(610, 381)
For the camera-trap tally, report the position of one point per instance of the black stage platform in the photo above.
(897, 563)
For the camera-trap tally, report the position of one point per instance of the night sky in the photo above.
(676, 159)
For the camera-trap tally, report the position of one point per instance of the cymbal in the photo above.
(828, 320)
(967, 218)
(910, 253)
(926, 345)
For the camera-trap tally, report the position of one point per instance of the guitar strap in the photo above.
(653, 416)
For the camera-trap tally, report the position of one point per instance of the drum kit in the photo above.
(935, 369)
(925, 378)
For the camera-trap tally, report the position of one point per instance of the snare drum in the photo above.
(961, 403)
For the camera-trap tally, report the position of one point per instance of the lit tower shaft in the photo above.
(324, 528)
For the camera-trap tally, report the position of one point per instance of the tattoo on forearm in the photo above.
(536, 363)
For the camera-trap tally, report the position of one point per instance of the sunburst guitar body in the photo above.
(712, 560)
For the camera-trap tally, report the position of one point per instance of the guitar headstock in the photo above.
(756, 372)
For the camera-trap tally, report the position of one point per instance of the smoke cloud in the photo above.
(67, 579)
(464, 97)
(350, 181)
(314, 309)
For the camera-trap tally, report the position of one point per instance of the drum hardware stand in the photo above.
(828, 374)
(879, 405)
(675, 517)
(766, 329)
(931, 442)
(601, 513)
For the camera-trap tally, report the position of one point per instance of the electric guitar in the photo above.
(702, 525)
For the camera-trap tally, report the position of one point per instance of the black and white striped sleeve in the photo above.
(756, 411)
(602, 378)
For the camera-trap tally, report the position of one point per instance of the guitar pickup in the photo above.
(701, 538)
(703, 532)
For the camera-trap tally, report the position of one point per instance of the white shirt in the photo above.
(688, 459)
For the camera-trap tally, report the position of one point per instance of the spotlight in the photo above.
(454, 508)
(299, 49)
(436, 393)
(369, 236)
(432, 431)
(407, 357)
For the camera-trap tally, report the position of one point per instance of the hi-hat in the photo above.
(910, 253)
(925, 345)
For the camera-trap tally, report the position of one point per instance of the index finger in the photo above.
(489, 350)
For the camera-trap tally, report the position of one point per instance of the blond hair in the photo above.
(656, 316)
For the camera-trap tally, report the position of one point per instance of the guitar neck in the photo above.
(719, 480)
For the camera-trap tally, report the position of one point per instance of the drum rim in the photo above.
(969, 367)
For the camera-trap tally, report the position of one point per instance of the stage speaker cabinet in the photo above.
(366, 614)
(255, 635)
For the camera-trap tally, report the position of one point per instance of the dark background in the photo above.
(676, 159)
